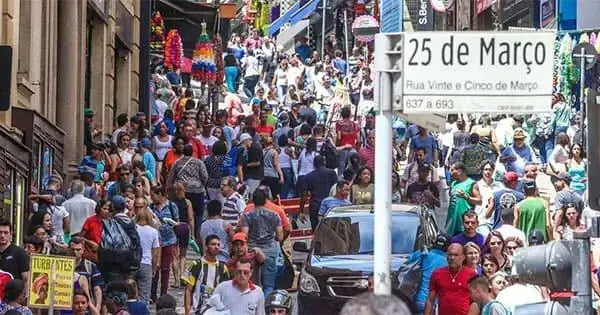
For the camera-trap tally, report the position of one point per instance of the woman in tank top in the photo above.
(272, 171)
(286, 155)
(183, 230)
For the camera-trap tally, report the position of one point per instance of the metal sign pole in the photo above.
(51, 287)
(346, 38)
(383, 160)
(323, 29)
(581, 98)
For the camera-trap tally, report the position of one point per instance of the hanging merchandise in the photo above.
(218, 51)
(261, 20)
(203, 66)
(376, 10)
(173, 51)
(157, 36)
(275, 11)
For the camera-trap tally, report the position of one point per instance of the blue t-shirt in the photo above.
(167, 233)
(505, 200)
(463, 239)
(428, 143)
(432, 260)
(137, 307)
(304, 51)
(238, 53)
(523, 155)
(332, 202)
(95, 165)
(340, 65)
(150, 164)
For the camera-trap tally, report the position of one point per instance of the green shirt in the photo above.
(562, 115)
(532, 215)
(458, 205)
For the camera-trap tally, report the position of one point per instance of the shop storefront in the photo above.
(46, 142)
(14, 174)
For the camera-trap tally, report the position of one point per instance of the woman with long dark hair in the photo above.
(362, 190)
(306, 163)
(577, 167)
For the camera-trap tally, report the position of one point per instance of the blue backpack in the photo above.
(230, 163)
(486, 308)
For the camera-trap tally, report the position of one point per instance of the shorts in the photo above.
(182, 231)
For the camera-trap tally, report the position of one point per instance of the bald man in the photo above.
(450, 285)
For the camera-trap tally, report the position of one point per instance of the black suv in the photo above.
(340, 259)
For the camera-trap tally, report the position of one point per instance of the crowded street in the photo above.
(317, 157)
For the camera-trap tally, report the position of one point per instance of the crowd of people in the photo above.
(212, 179)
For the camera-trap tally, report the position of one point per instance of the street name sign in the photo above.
(475, 72)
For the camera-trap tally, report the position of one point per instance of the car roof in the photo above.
(397, 209)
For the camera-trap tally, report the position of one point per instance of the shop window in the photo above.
(47, 162)
(20, 185)
(36, 171)
(14, 204)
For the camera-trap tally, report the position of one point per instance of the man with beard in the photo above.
(449, 285)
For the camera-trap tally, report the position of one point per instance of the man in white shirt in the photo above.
(240, 296)
(78, 207)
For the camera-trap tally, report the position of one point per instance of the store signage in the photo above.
(365, 27)
(425, 16)
(547, 13)
(51, 282)
(466, 72)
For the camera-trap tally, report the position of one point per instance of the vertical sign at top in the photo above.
(391, 15)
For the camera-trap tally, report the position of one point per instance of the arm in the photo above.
(277, 167)
(97, 297)
(260, 256)
(228, 229)
(240, 173)
(475, 197)
(190, 213)
(474, 309)
(490, 208)
(187, 298)
(279, 233)
(430, 302)
(516, 219)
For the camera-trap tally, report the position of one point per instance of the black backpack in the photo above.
(330, 153)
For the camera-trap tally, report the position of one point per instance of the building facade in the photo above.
(67, 55)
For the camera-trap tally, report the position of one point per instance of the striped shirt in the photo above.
(233, 206)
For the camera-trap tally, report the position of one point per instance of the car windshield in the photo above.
(354, 235)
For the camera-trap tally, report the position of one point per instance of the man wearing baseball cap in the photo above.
(504, 200)
(564, 196)
(240, 251)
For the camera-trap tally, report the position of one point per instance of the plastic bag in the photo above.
(408, 279)
(115, 246)
(114, 236)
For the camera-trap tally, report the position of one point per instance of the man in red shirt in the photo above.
(197, 145)
(347, 140)
(240, 251)
(450, 285)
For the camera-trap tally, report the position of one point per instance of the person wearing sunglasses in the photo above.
(240, 295)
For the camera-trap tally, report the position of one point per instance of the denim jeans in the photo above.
(545, 145)
(251, 185)
(344, 154)
(269, 269)
(250, 84)
(288, 189)
(143, 277)
(281, 91)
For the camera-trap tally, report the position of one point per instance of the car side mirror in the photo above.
(300, 247)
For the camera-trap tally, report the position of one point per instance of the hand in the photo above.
(512, 158)
(281, 180)
(429, 194)
(461, 194)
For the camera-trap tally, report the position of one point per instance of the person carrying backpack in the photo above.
(481, 293)
(167, 213)
(233, 165)
(120, 253)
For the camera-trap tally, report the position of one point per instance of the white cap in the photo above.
(245, 136)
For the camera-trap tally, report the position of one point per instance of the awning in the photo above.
(286, 37)
(277, 24)
(294, 15)
(305, 11)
